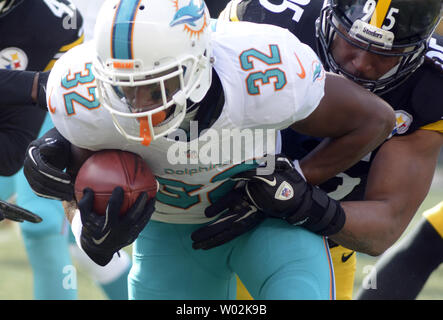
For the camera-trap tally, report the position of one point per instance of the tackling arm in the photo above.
(398, 182)
(23, 88)
(356, 122)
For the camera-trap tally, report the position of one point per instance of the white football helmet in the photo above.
(151, 57)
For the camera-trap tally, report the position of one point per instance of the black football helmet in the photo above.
(8, 5)
(387, 27)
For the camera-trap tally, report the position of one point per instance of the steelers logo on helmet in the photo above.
(151, 58)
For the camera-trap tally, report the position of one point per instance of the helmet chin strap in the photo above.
(391, 72)
(145, 132)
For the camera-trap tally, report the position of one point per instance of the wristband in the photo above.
(325, 216)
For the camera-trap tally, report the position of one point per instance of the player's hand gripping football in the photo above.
(104, 235)
(284, 194)
(15, 213)
(45, 161)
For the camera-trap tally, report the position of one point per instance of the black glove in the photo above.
(45, 162)
(16, 213)
(286, 195)
(240, 217)
(102, 236)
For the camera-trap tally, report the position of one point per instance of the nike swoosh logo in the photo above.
(302, 74)
(300, 222)
(100, 241)
(251, 211)
(44, 173)
(345, 257)
(31, 156)
(272, 183)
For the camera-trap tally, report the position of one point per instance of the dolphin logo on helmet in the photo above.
(188, 14)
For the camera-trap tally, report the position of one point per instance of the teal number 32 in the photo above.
(90, 102)
(247, 63)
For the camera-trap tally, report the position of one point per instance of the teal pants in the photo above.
(275, 261)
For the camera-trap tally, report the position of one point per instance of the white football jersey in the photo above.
(270, 80)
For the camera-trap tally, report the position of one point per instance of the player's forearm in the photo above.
(15, 87)
(356, 122)
(333, 156)
(23, 88)
(368, 228)
(372, 226)
(398, 182)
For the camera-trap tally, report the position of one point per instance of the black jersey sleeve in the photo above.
(63, 29)
(297, 16)
(215, 7)
(427, 96)
(19, 126)
(15, 87)
(42, 30)
(418, 101)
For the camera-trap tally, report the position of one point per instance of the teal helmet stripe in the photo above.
(123, 29)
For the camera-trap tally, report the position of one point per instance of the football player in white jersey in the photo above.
(164, 81)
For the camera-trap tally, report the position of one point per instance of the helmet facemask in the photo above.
(169, 86)
(360, 34)
(145, 80)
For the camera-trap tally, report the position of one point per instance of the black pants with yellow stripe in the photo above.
(344, 261)
(403, 270)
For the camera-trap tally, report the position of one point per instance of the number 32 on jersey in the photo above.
(71, 84)
(272, 59)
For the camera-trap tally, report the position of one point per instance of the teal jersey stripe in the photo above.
(122, 29)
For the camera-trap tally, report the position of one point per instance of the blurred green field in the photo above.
(16, 275)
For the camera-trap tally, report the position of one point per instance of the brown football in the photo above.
(107, 169)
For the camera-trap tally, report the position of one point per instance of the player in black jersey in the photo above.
(34, 33)
(50, 28)
(381, 45)
(32, 39)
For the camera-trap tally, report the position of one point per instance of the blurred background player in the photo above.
(392, 68)
(46, 244)
(11, 212)
(33, 37)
